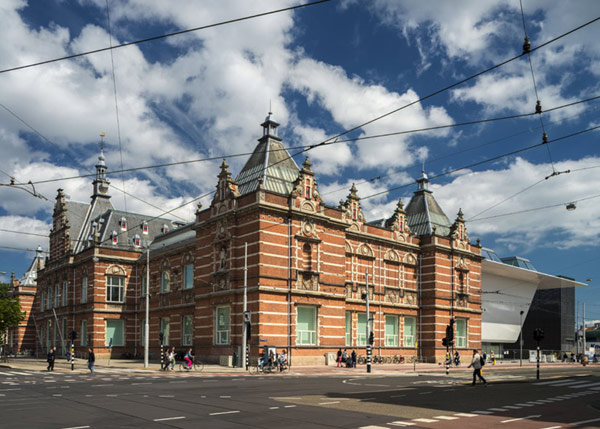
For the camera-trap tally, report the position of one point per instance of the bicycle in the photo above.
(196, 366)
(267, 368)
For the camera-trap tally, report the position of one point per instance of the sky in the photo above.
(322, 70)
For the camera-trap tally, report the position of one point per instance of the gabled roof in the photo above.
(423, 213)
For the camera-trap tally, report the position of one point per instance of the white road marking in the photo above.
(553, 382)
(290, 406)
(57, 394)
(524, 405)
(482, 412)
(445, 417)
(424, 420)
(225, 397)
(585, 386)
(363, 399)
(397, 396)
(223, 412)
(585, 421)
(372, 427)
(329, 403)
(401, 423)
(18, 373)
(465, 415)
(425, 393)
(284, 397)
(77, 427)
(102, 385)
(169, 418)
(273, 408)
(512, 407)
(166, 396)
(521, 418)
(139, 384)
(497, 409)
(552, 427)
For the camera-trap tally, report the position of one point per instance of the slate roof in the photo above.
(271, 161)
(423, 213)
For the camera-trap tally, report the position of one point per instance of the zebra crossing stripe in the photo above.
(543, 383)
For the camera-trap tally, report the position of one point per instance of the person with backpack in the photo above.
(477, 363)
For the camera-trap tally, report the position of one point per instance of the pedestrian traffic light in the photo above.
(248, 331)
(161, 337)
(445, 342)
(538, 334)
(450, 332)
(371, 338)
(73, 335)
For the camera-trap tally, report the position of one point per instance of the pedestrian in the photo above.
(91, 360)
(353, 355)
(172, 358)
(51, 358)
(476, 364)
(345, 358)
(339, 357)
(456, 358)
(166, 361)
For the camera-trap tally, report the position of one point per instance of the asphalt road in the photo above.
(568, 397)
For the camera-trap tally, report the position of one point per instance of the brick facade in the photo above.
(307, 270)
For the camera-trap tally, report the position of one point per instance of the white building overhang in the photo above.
(507, 290)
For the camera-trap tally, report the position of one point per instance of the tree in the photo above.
(10, 312)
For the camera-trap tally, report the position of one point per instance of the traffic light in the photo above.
(73, 336)
(248, 331)
(445, 342)
(371, 338)
(161, 337)
(450, 332)
(538, 334)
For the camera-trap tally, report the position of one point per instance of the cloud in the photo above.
(24, 224)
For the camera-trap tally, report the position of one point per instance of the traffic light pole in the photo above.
(367, 338)
(447, 360)
(538, 362)
(245, 349)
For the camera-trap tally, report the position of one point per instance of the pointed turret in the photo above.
(101, 183)
(423, 213)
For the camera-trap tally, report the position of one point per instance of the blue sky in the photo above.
(324, 69)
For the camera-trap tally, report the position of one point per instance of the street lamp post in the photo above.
(521, 340)
(147, 322)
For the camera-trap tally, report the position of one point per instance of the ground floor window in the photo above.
(115, 333)
(348, 328)
(164, 329)
(391, 331)
(306, 326)
(361, 335)
(223, 325)
(188, 330)
(461, 333)
(410, 330)
(83, 337)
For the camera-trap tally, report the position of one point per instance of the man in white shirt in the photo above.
(476, 364)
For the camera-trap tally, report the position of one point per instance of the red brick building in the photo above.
(307, 270)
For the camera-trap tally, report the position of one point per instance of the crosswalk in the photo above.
(571, 383)
(78, 371)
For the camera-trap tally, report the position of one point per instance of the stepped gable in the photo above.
(423, 213)
(270, 162)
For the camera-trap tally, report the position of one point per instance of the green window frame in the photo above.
(115, 288)
(410, 331)
(461, 333)
(165, 328)
(83, 334)
(84, 289)
(188, 276)
(165, 281)
(306, 326)
(348, 328)
(223, 325)
(115, 330)
(187, 329)
(391, 331)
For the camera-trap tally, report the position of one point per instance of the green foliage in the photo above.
(10, 309)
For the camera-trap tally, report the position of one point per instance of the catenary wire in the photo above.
(163, 36)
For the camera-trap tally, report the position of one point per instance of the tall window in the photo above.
(223, 325)
(391, 331)
(306, 326)
(83, 333)
(115, 288)
(410, 331)
(165, 329)
(84, 291)
(188, 276)
(42, 338)
(114, 331)
(461, 333)
(165, 281)
(49, 298)
(348, 328)
(188, 330)
(56, 295)
(65, 295)
(361, 335)
(42, 301)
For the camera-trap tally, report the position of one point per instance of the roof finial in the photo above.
(102, 134)
(270, 107)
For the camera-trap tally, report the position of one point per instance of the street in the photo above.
(565, 397)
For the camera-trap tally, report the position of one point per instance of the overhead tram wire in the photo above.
(312, 146)
(163, 36)
(485, 161)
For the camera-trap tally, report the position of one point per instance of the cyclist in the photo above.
(171, 358)
(282, 360)
(189, 358)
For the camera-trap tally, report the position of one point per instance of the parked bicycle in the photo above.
(267, 368)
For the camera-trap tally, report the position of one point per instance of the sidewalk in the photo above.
(137, 366)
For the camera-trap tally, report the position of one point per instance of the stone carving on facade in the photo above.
(392, 256)
(187, 296)
(221, 281)
(410, 298)
(410, 259)
(307, 229)
(308, 280)
(305, 190)
(164, 299)
(227, 190)
(458, 232)
(351, 210)
(365, 250)
(398, 223)
(115, 270)
(392, 296)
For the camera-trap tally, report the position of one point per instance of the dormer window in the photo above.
(164, 229)
(136, 240)
(123, 224)
(145, 228)
(114, 238)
